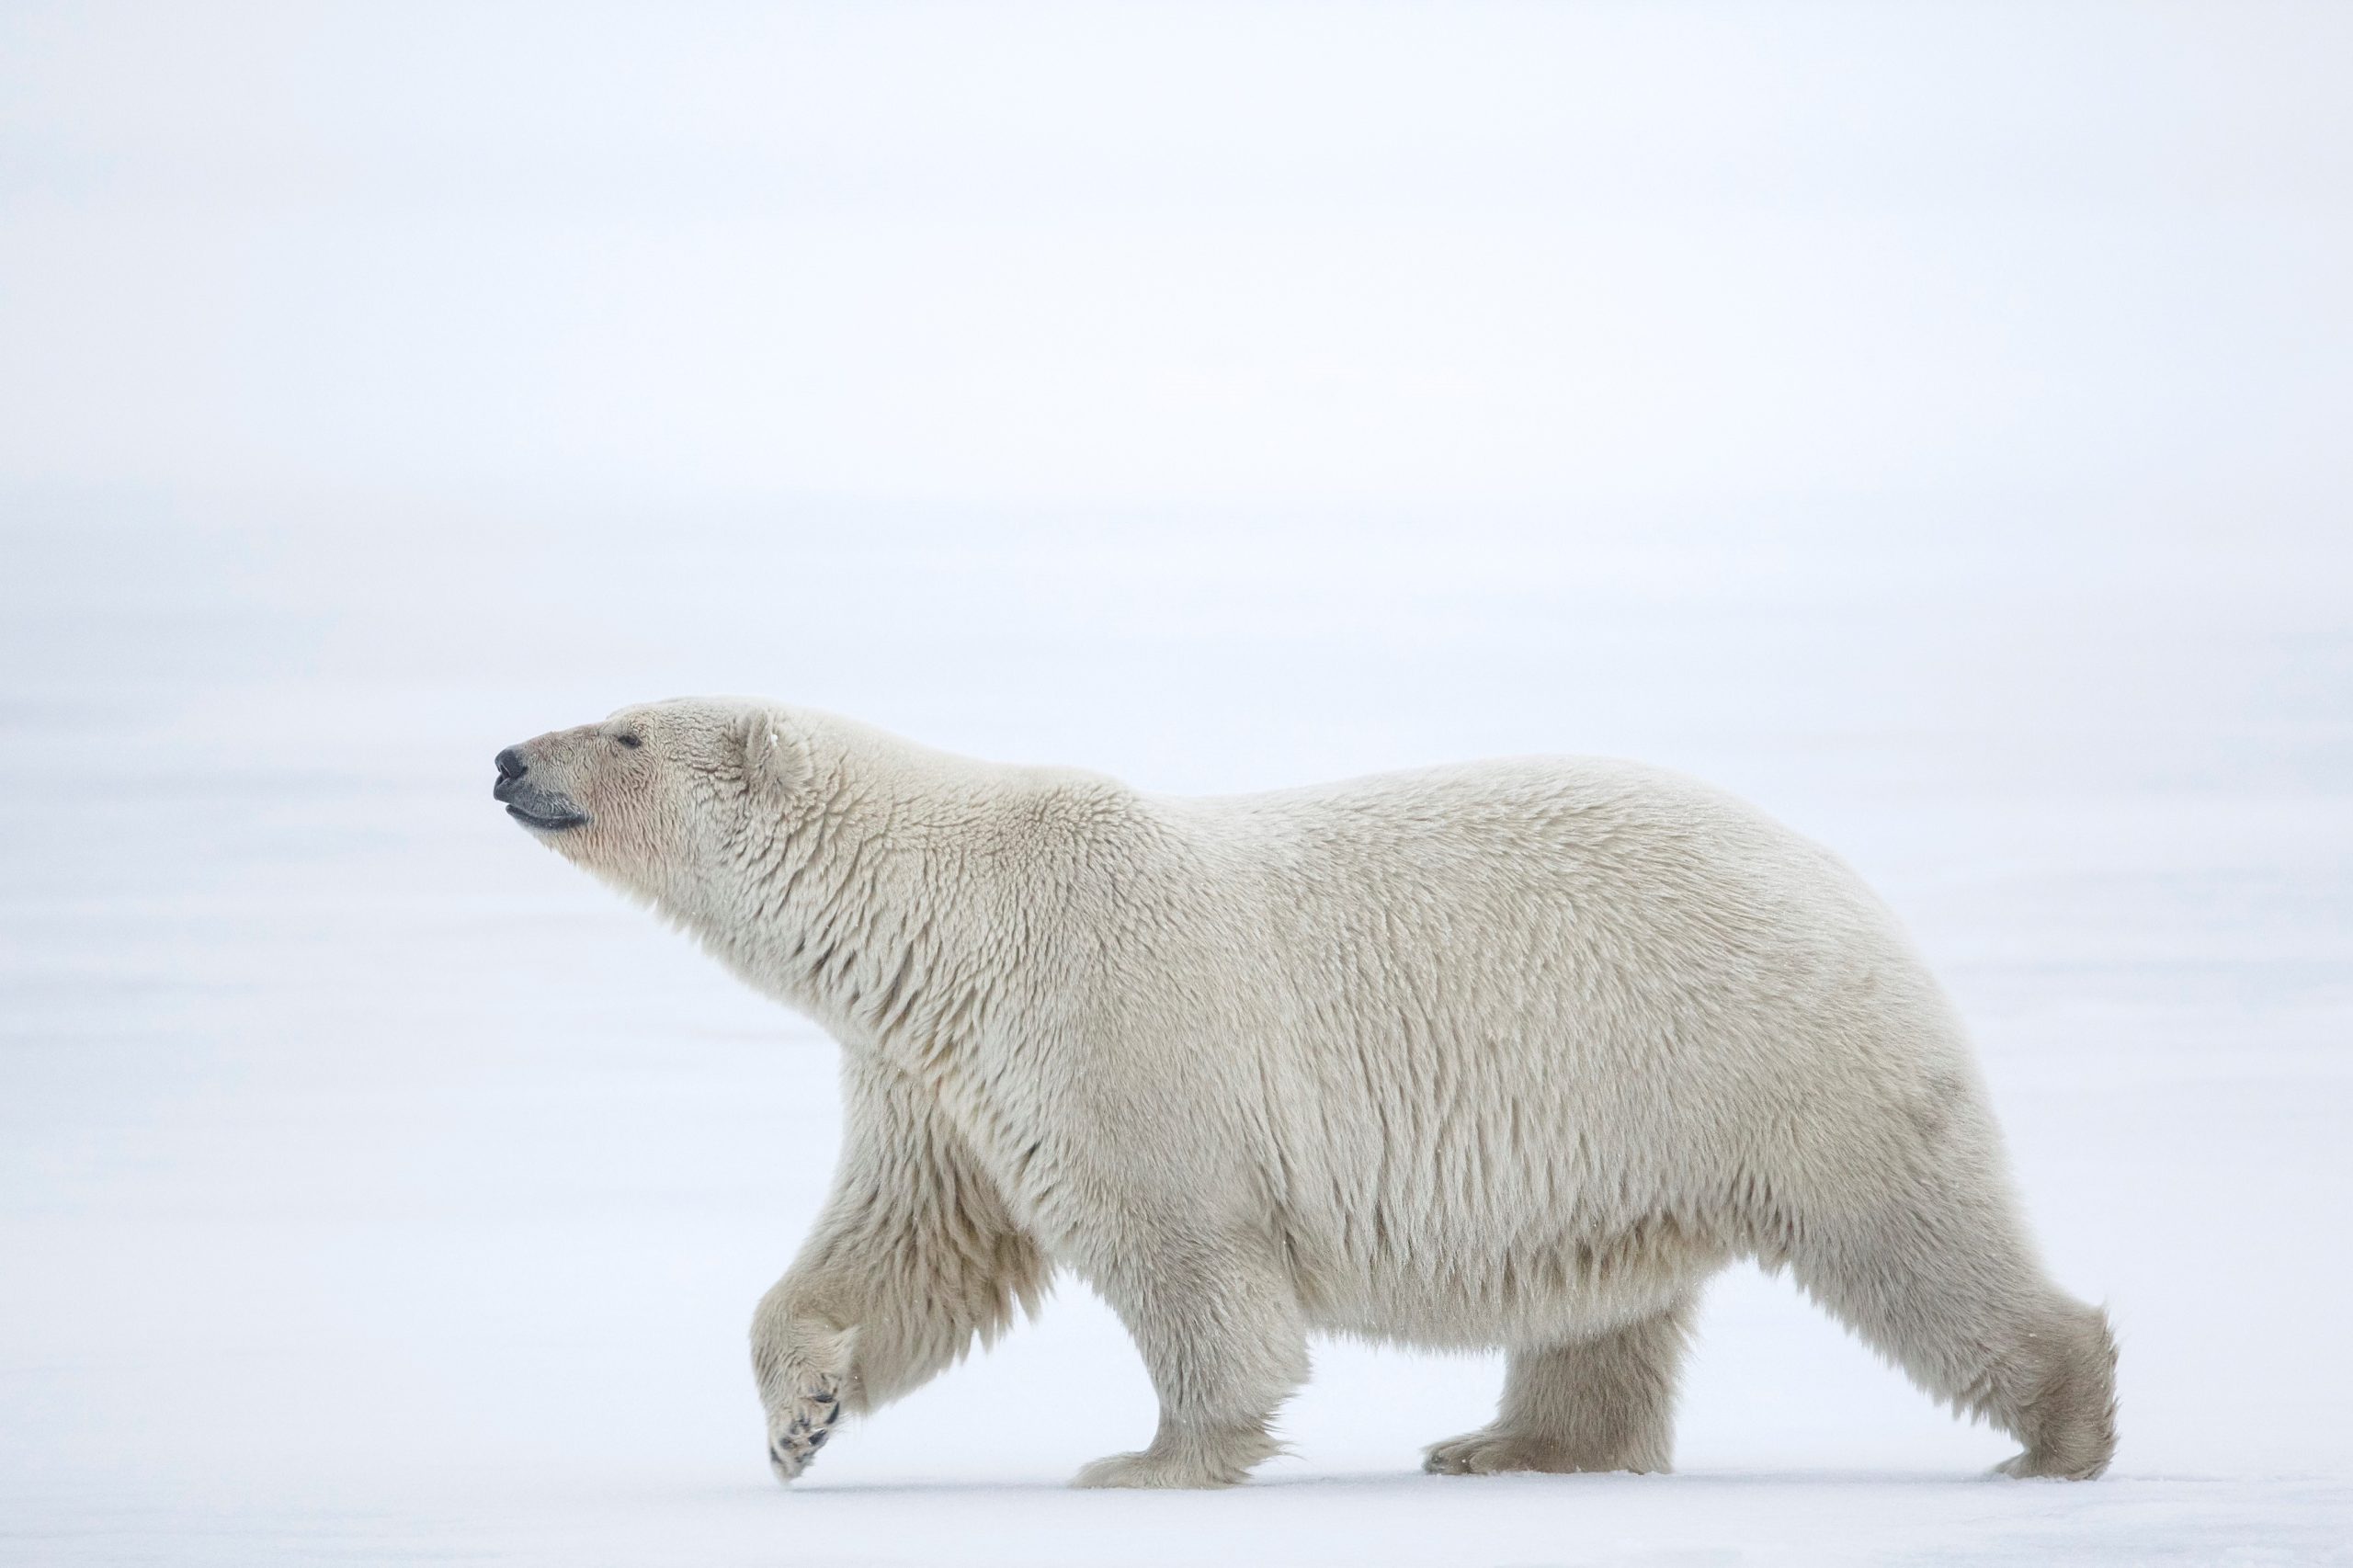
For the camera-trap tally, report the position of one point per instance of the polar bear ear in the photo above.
(776, 760)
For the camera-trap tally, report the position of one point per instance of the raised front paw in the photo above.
(805, 1371)
(799, 1425)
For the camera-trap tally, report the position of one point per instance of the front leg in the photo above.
(913, 1260)
(1219, 1324)
(803, 1364)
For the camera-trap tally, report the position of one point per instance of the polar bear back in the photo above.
(1542, 1038)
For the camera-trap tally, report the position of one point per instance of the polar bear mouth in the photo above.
(550, 811)
(555, 823)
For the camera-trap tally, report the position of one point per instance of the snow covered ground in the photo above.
(1928, 421)
(374, 1187)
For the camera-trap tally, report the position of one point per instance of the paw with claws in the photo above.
(806, 1372)
(799, 1425)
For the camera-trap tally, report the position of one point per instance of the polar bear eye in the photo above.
(630, 739)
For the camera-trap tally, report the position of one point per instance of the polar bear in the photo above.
(1513, 1054)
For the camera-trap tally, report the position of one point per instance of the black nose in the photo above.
(510, 764)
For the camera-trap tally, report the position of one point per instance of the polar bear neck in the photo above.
(890, 898)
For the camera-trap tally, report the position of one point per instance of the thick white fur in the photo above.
(1510, 1054)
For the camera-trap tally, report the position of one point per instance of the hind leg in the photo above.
(1941, 1280)
(1605, 1403)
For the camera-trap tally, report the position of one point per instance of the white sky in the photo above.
(1336, 256)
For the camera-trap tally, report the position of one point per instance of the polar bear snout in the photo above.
(529, 801)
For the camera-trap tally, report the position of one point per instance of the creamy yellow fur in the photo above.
(1508, 1054)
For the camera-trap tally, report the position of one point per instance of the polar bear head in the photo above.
(661, 799)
